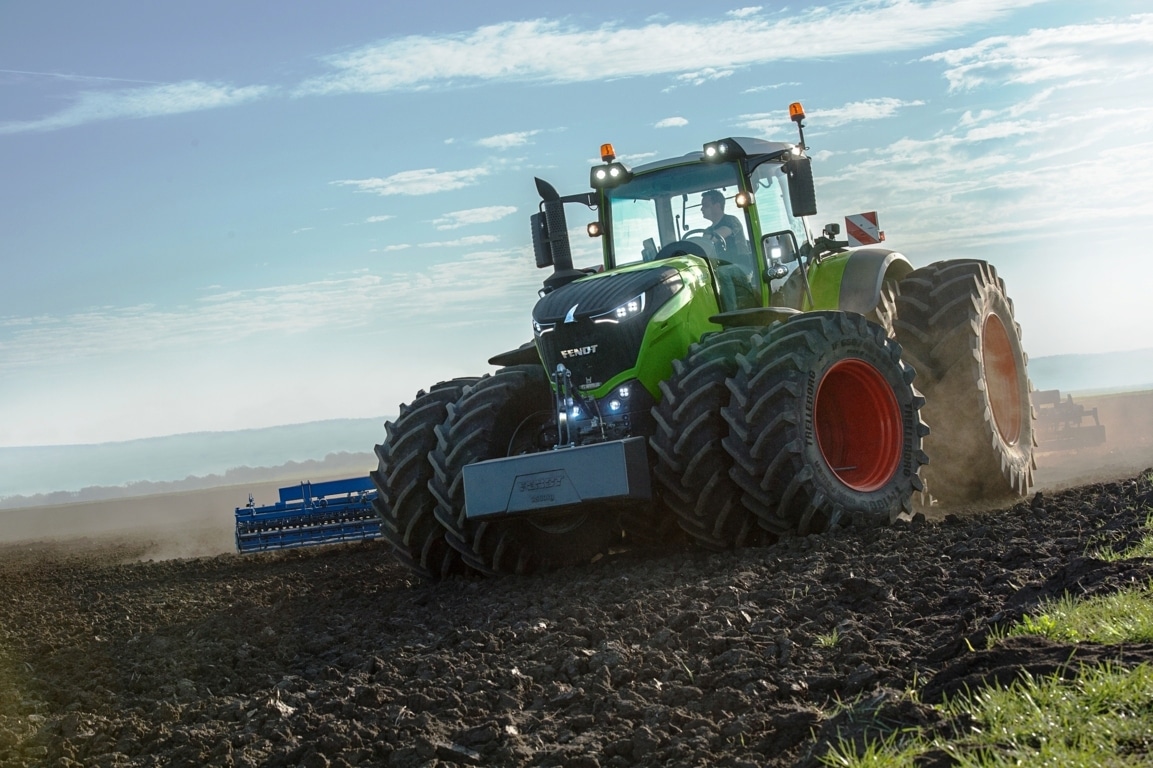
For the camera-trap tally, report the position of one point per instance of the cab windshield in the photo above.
(657, 209)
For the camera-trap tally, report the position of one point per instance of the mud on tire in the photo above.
(955, 323)
(691, 468)
(825, 425)
(506, 414)
(404, 503)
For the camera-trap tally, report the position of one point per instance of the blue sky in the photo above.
(220, 215)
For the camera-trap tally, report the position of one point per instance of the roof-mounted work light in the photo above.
(611, 173)
(723, 149)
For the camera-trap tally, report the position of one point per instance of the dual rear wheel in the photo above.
(793, 428)
(955, 321)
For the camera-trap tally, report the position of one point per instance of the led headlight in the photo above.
(631, 308)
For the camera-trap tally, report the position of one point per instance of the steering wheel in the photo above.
(681, 248)
(718, 244)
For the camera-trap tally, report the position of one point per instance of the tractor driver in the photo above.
(726, 230)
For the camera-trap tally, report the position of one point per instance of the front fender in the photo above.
(525, 354)
(852, 281)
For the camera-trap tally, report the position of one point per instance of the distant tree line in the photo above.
(352, 463)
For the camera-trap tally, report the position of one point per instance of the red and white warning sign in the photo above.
(862, 229)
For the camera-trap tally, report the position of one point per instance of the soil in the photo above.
(336, 656)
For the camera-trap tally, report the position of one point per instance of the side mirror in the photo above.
(550, 242)
(802, 191)
(780, 249)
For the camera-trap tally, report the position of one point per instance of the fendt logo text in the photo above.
(579, 351)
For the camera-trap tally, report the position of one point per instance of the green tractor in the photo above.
(725, 377)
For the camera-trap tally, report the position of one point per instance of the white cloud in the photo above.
(558, 52)
(766, 123)
(856, 111)
(703, 76)
(671, 122)
(151, 101)
(378, 219)
(391, 248)
(507, 140)
(425, 181)
(302, 229)
(1116, 49)
(505, 278)
(462, 242)
(771, 87)
(457, 219)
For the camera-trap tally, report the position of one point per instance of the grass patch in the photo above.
(1143, 548)
(1102, 718)
(829, 640)
(1122, 617)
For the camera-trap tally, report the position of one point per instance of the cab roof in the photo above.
(749, 148)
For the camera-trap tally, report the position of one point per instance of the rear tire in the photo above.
(404, 503)
(825, 425)
(955, 322)
(507, 414)
(692, 468)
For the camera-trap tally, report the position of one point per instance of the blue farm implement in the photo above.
(310, 513)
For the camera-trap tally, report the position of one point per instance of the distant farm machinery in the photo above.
(310, 513)
(1063, 424)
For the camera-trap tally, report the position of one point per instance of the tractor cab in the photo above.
(736, 207)
(679, 207)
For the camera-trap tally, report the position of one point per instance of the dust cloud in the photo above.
(1126, 452)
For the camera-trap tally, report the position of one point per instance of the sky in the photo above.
(219, 215)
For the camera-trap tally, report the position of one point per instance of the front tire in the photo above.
(403, 501)
(507, 414)
(825, 425)
(955, 322)
(692, 468)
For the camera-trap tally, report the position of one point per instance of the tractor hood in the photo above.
(595, 326)
(609, 297)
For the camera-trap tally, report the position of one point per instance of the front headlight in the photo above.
(631, 308)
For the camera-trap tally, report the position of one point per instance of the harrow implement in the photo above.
(310, 513)
(1064, 425)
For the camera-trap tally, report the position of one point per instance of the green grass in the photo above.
(829, 640)
(1143, 548)
(1103, 717)
(1123, 617)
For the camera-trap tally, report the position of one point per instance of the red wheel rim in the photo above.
(858, 423)
(1001, 376)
